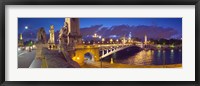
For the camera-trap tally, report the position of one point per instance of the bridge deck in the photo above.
(107, 54)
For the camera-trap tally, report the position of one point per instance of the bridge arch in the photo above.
(80, 54)
(88, 56)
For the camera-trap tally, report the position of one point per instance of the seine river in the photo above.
(136, 56)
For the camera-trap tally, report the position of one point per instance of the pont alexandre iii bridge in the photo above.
(70, 46)
(94, 51)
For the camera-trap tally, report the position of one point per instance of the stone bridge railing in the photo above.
(100, 46)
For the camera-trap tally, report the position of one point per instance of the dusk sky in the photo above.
(32, 24)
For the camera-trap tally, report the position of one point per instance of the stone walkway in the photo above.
(36, 63)
(25, 58)
(54, 59)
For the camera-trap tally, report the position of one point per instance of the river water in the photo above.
(136, 56)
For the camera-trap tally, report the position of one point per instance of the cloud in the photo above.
(155, 32)
(90, 30)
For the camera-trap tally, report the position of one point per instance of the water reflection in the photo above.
(172, 56)
(164, 57)
(153, 57)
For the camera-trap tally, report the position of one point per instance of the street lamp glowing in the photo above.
(26, 27)
(111, 40)
(103, 39)
(95, 35)
(172, 50)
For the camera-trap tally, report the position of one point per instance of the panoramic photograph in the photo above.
(99, 42)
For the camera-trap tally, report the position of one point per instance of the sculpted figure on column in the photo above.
(64, 38)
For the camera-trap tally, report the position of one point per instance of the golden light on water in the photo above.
(142, 58)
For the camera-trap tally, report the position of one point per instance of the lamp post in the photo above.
(102, 40)
(111, 40)
(117, 40)
(95, 36)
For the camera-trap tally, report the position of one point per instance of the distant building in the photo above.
(145, 39)
(129, 37)
(20, 41)
(123, 40)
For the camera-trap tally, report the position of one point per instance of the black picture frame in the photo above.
(98, 2)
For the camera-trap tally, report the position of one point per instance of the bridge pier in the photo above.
(102, 52)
